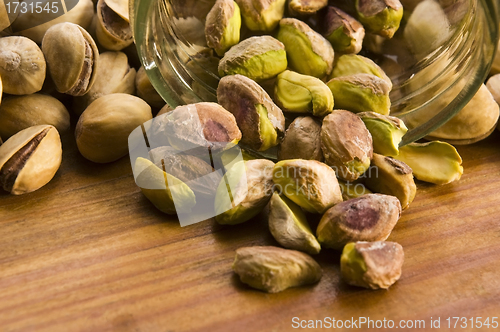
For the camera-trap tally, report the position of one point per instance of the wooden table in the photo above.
(88, 252)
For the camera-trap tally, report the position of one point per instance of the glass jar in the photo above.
(434, 77)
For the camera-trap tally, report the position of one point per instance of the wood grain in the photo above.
(89, 253)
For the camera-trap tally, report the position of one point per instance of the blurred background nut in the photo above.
(305, 7)
(352, 64)
(113, 28)
(6, 16)
(493, 85)
(30, 159)
(262, 15)
(381, 17)
(302, 140)
(387, 132)
(146, 91)
(343, 31)
(22, 66)
(222, 27)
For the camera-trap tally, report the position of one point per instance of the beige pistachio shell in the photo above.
(120, 7)
(302, 140)
(113, 31)
(305, 7)
(146, 91)
(262, 15)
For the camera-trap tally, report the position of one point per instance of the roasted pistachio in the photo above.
(273, 269)
(343, 31)
(372, 265)
(353, 189)
(381, 17)
(222, 27)
(299, 93)
(370, 217)
(261, 122)
(30, 159)
(305, 7)
(387, 132)
(302, 140)
(262, 15)
(352, 64)
(113, 29)
(346, 144)
(22, 66)
(307, 51)
(146, 91)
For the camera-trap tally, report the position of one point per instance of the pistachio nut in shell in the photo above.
(261, 122)
(353, 189)
(103, 128)
(112, 30)
(146, 91)
(22, 66)
(309, 183)
(222, 27)
(258, 58)
(370, 217)
(305, 7)
(302, 140)
(288, 225)
(387, 132)
(372, 265)
(343, 31)
(21, 112)
(299, 93)
(30, 159)
(72, 58)
(352, 64)
(381, 17)
(307, 51)
(273, 269)
(262, 15)
(346, 144)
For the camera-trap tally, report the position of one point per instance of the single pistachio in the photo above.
(302, 140)
(103, 128)
(299, 93)
(261, 122)
(370, 217)
(361, 93)
(222, 27)
(262, 15)
(258, 58)
(391, 177)
(343, 31)
(372, 265)
(346, 144)
(288, 225)
(305, 7)
(30, 159)
(113, 28)
(244, 191)
(381, 17)
(307, 51)
(146, 91)
(309, 183)
(353, 189)
(387, 132)
(22, 66)
(72, 58)
(273, 269)
(352, 64)
(435, 162)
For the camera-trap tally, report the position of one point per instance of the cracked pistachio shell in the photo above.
(22, 66)
(361, 93)
(343, 31)
(307, 51)
(346, 144)
(262, 15)
(372, 265)
(30, 159)
(305, 7)
(387, 132)
(352, 64)
(302, 140)
(391, 177)
(298, 93)
(103, 128)
(273, 269)
(309, 183)
(146, 91)
(251, 186)
(258, 58)
(353, 189)
(381, 17)
(435, 162)
(72, 58)
(261, 122)
(113, 29)
(288, 225)
(222, 27)
(370, 217)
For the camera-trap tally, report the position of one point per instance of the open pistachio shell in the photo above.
(302, 140)
(343, 31)
(381, 17)
(262, 15)
(222, 27)
(387, 132)
(305, 7)
(113, 28)
(352, 64)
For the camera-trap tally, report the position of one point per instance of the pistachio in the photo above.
(361, 93)
(273, 269)
(72, 58)
(146, 91)
(309, 183)
(261, 122)
(258, 58)
(113, 29)
(244, 191)
(302, 140)
(307, 51)
(352, 64)
(30, 159)
(493, 85)
(298, 93)
(343, 31)
(262, 15)
(372, 265)
(305, 7)
(222, 27)
(22, 66)
(387, 132)
(103, 128)
(346, 144)
(392, 177)
(288, 225)
(353, 189)
(370, 217)
(435, 162)
(381, 17)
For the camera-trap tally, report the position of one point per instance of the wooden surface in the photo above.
(88, 252)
